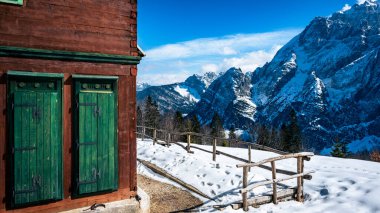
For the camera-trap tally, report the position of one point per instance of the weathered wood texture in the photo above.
(286, 194)
(84, 26)
(126, 128)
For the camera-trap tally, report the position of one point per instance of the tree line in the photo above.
(286, 138)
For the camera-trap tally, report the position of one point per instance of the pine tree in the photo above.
(339, 149)
(178, 121)
(179, 126)
(285, 137)
(151, 113)
(196, 127)
(291, 134)
(295, 142)
(139, 115)
(232, 134)
(263, 135)
(216, 126)
(273, 138)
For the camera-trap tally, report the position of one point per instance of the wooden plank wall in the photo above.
(85, 26)
(101, 26)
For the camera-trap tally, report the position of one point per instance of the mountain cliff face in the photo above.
(229, 96)
(179, 96)
(329, 73)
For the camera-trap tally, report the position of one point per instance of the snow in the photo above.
(345, 8)
(339, 185)
(185, 91)
(367, 2)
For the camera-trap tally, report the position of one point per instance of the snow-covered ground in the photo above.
(339, 185)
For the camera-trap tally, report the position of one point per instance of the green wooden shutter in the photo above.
(107, 144)
(36, 147)
(96, 140)
(35, 133)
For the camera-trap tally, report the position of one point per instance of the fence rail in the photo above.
(190, 134)
(300, 175)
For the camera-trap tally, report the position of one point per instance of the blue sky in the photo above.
(184, 37)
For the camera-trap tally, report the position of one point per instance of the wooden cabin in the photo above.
(67, 103)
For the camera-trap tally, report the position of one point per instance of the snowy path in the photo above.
(339, 185)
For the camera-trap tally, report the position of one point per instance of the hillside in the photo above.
(339, 185)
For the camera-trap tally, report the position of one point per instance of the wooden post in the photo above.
(249, 157)
(299, 179)
(274, 184)
(214, 150)
(245, 184)
(188, 142)
(154, 136)
(143, 134)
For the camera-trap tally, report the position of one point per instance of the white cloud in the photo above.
(174, 62)
(164, 78)
(210, 68)
(250, 61)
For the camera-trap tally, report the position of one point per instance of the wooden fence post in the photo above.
(169, 139)
(299, 179)
(245, 184)
(214, 150)
(188, 142)
(154, 136)
(249, 156)
(274, 184)
(143, 134)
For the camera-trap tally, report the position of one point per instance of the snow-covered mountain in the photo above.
(178, 96)
(141, 86)
(329, 73)
(229, 96)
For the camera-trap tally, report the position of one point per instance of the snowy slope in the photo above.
(339, 185)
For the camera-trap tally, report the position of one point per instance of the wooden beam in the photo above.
(299, 179)
(245, 184)
(282, 157)
(260, 200)
(188, 142)
(274, 186)
(282, 171)
(249, 157)
(154, 136)
(214, 150)
(250, 187)
(23, 52)
(164, 173)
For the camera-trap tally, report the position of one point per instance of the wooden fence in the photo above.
(164, 135)
(300, 175)
(159, 135)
